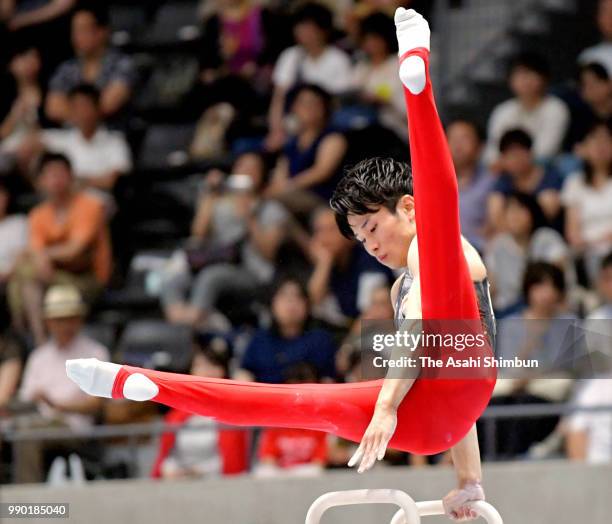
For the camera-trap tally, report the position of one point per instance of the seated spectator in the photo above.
(98, 156)
(544, 117)
(344, 275)
(465, 141)
(60, 403)
(293, 451)
(589, 435)
(353, 13)
(289, 340)
(378, 313)
(11, 364)
(375, 77)
(95, 63)
(235, 238)
(39, 23)
(602, 52)
(25, 113)
(206, 451)
(597, 325)
(309, 167)
(588, 199)
(595, 104)
(525, 239)
(539, 332)
(13, 240)
(241, 40)
(521, 173)
(69, 244)
(313, 60)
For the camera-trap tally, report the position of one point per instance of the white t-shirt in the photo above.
(383, 82)
(547, 125)
(13, 240)
(331, 70)
(600, 53)
(107, 151)
(45, 372)
(598, 425)
(594, 207)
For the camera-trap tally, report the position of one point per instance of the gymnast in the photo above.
(387, 207)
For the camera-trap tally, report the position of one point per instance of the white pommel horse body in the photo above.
(410, 512)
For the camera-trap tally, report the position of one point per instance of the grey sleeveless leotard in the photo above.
(483, 297)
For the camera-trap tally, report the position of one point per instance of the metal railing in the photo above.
(132, 432)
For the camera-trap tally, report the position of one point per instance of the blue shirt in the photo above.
(302, 159)
(473, 205)
(269, 356)
(551, 180)
(344, 282)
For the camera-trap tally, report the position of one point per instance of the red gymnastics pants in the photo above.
(436, 413)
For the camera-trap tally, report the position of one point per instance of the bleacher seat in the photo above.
(155, 344)
(166, 145)
(173, 23)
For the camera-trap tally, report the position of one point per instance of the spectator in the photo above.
(98, 156)
(207, 451)
(95, 63)
(602, 52)
(597, 326)
(235, 238)
(377, 316)
(540, 332)
(241, 41)
(588, 199)
(544, 117)
(60, 402)
(13, 238)
(11, 364)
(293, 451)
(375, 77)
(69, 244)
(309, 168)
(525, 238)
(465, 141)
(589, 435)
(313, 60)
(289, 341)
(39, 23)
(343, 276)
(595, 103)
(25, 113)
(521, 173)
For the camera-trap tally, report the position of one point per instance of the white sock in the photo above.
(97, 378)
(412, 33)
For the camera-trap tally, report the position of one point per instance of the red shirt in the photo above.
(290, 447)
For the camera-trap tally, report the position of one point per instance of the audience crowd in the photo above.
(284, 96)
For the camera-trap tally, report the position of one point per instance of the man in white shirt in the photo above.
(98, 156)
(313, 60)
(544, 117)
(60, 402)
(602, 52)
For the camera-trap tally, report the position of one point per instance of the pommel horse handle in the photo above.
(410, 512)
(429, 508)
(364, 496)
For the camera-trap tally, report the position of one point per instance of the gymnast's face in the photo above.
(386, 235)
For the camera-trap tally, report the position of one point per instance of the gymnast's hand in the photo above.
(455, 503)
(375, 439)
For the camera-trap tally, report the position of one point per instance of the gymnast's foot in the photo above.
(97, 378)
(412, 33)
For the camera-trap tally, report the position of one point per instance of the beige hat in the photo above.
(63, 301)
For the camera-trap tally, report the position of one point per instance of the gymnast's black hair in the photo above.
(368, 186)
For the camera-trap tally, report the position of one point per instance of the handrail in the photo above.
(156, 428)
